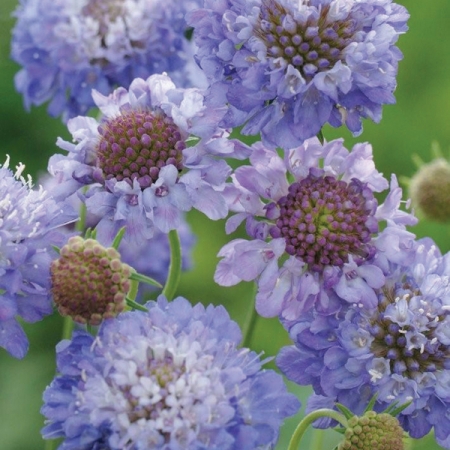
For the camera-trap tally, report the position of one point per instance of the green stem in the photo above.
(320, 137)
(51, 444)
(250, 321)
(317, 440)
(81, 224)
(308, 420)
(67, 327)
(174, 275)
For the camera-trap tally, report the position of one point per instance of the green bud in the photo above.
(89, 282)
(429, 190)
(373, 431)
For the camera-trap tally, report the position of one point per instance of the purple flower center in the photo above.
(406, 336)
(310, 46)
(89, 282)
(137, 144)
(103, 12)
(323, 220)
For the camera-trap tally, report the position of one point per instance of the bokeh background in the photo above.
(421, 116)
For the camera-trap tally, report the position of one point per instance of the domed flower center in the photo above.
(89, 282)
(310, 46)
(155, 385)
(323, 220)
(409, 334)
(103, 12)
(137, 144)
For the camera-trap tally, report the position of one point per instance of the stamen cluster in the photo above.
(323, 220)
(89, 282)
(310, 46)
(137, 144)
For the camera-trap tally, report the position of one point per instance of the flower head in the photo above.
(68, 47)
(398, 351)
(316, 211)
(29, 219)
(155, 153)
(89, 282)
(168, 378)
(287, 67)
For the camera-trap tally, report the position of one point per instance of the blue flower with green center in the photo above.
(66, 48)
(169, 378)
(398, 350)
(155, 153)
(288, 67)
(315, 212)
(29, 222)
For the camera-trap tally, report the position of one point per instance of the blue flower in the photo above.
(156, 153)
(67, 48)
(170, 378)
(398, 350)
(317, 213)
(29, 219)
(288, 67)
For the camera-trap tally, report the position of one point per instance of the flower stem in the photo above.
(174, 275)
(308, 420)
(67, 327)
(51, 444)
(250, 321)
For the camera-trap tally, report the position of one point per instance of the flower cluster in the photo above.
(316, 212)
(68, 47)
(29, 219)
(154, 155)
(398, 350)
(169, 378)
(288, 67)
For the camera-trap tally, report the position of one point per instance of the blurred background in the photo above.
(421, 116)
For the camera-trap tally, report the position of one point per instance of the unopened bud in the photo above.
(89, 282)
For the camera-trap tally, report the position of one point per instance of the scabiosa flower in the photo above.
(68, 47)
(398, 351)
(316, 212)
(169, 378)
(29, 219)
(138, 164)
(287, 67)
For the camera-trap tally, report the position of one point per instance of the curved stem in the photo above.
(51, 444)
(174, 275)
(67, 327)
(250, 321)
(308, 420)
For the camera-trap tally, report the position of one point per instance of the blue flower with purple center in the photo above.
(156, 153)
(288, 67)
(399, 350)
(68, 47)
(314, 222)
(29, 222)
(169, 378)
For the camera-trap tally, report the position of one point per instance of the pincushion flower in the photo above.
(398, 350)
(288, 67)
(316, 213)
(68, 47)
(29, 222)
(169, 378)
(156, 152)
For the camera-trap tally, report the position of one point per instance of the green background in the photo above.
(420, 117)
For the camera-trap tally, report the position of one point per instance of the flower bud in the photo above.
(373, 431)
(89, 282)
(429, 190)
